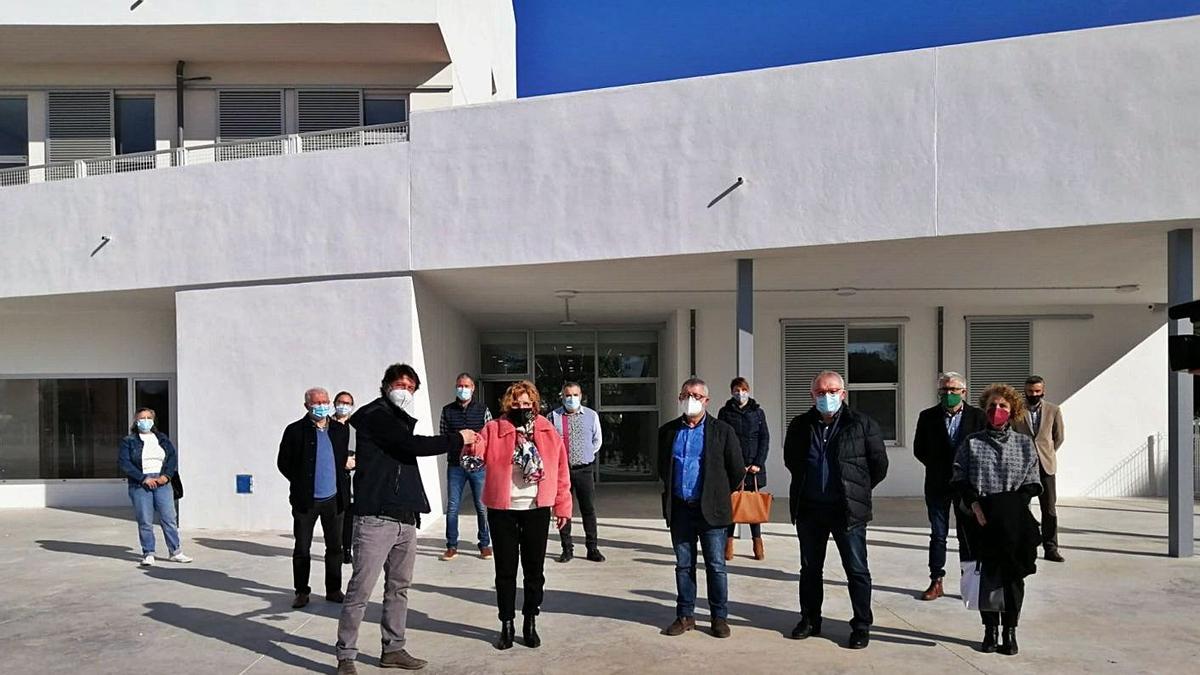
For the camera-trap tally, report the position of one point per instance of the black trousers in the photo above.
(519, 536)
(1014, 595)
(303, 524)
(1046, 500)
(583, 487)
(814, 529)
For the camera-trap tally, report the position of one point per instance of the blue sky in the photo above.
(569, 45)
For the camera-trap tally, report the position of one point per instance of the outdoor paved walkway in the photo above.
(73, 600)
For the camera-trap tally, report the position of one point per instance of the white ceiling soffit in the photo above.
(253, 43)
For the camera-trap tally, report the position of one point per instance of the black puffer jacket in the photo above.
(862, 460)
(750, 425)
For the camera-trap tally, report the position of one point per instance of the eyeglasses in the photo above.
(949, 390)
(695, 395)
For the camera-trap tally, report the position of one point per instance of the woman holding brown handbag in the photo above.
(750, 423)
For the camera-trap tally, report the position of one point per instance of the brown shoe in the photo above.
(729, 548)
(934, 591)
(680, 626)
(485, 552)
(347, 667)
(759, 554)
(300, 601)
(402, 660)
(450, 554)
(720, 628)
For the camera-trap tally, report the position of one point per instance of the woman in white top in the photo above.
(148, 459)
(527, 477)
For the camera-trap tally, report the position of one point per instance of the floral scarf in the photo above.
(525, 453)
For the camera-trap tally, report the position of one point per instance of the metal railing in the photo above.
(313, 141)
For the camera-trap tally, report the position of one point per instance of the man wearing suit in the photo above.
(940, 429)
(700, 465)
(1043, 421)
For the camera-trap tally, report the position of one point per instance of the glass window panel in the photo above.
(879, 405)
(873, 355)
(562, 356)
(628, 452)
(19, 456)
(14, 127)
(82, 424)
(134, 125)
(384, 111)
(156, 395)
(494, 391)
(628, 353)
(504, 353)
(613, 394)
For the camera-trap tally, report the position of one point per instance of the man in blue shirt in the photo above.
(700, 465)
(312, 456)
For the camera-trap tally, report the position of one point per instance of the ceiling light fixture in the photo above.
(1128, 288)
(566, 296)
(846, 291)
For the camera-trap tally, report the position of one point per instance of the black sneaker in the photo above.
(859, 639)
(595, 555)
(806, 629)
(566, 555)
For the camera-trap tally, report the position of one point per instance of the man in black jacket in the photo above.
(939, 431)
(700, 465)
(836, 458)
(312, 456)
(389, 498)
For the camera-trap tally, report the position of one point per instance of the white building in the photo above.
(1000, 208)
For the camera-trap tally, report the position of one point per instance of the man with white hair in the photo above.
(836, 458)
(310, 455)
(940, 430)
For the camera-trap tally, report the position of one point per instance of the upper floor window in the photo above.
(384, 109)
(134, 124)
(14, 132)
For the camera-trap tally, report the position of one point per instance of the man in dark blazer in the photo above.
(836, 457)
(312, 456)
(700, 465)
(940, 430)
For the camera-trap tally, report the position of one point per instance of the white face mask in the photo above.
(690, 407)
(742, 397)
(401, 398)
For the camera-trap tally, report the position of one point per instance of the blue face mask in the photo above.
(144, 425)
(321, 411)
(343, 409)
(829, 404)
(572, 403)
(463, 393)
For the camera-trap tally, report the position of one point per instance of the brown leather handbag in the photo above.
(753, 507)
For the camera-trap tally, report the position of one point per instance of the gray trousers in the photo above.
(390, 547)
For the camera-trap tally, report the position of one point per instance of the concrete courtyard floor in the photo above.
(73, 600)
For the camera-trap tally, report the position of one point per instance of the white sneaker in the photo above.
(180, 558)
(148, 561)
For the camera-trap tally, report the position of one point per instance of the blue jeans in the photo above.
(938, 507)
(688, 525)
(814, 530)
(456, 479)
(145, 503)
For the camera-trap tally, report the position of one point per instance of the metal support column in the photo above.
(1180, 493)
(745, 318)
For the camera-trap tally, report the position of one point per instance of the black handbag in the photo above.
(177, 486)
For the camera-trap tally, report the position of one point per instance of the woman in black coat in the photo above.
(750, 422)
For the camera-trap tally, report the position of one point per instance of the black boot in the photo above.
(990, 636)
(1009, 644)
(532, 640)
(507, 631)
(568, 553)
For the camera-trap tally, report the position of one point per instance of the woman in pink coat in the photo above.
(527, 477)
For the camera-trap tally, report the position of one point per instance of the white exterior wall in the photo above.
(446, 344)
(259, 348)
(482, 40)
(177, 12)
(281, 217)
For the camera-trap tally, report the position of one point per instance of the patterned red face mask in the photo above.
(997, 416)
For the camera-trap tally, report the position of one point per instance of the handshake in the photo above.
(468, 436)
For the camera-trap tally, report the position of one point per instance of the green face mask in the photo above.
(951, 400)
